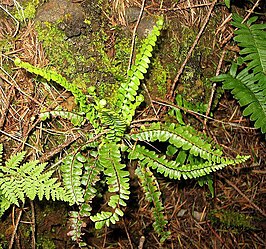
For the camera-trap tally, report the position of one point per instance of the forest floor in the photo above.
(91, 53)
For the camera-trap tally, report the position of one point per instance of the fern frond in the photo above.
(249, 85)
(86, 185)
(184, 137)
(28, 180)
(76, 225)
(153, 195)
(128, 99)
(77, 119)
(174, 170)
(117, 181)
(72, 170)
(113, 121)
(4, 204)
(49, 75)
(249, 94)
(251, 37)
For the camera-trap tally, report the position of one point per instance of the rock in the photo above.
(132, 14)
(146, 26)
(71, 14)
(199, 216)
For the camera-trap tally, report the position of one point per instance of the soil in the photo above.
(89, 42)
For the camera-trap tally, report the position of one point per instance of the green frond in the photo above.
(184, 137)
(72, 170)
(249, 85)
(76, 224)
(77, 119)
(114, 123)
(86, 185)
(4, 204)
(49, 75)
(153, 195)
(14, 161)
(18, 181)
(174, 170)
(117, 180)
(128, 99)
(248, 92)
(251, 38)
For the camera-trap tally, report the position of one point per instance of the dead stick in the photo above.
(191, 50)
(134, 35)
(214, 88)
(15, 229)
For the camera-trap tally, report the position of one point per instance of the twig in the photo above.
(6, 108)
(242, 194)
(172, 95)
(128, 236)
(15, 20)
(15, 229)
(196, 114)
(214, 88)
(217, 236)
(19, 140)
(47, 156)
(141, 242)
(183, 8)
(134, 34)
(33, 242)
(149, 96)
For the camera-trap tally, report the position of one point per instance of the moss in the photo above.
(45, 243)
(230, 219)
(28, 10)
(157, 83)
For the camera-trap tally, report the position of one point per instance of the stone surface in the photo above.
(71, 15)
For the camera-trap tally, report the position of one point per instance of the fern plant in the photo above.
(113, 142)
(249, 85)
(27, 180)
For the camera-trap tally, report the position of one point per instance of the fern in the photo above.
(249, 85)
(20, 180)
(190, 155)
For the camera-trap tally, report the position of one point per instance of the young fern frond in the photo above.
(249, 85)
(114, 123)
(49, 75)
(18, 181)
(80, 98)
(153, 195)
